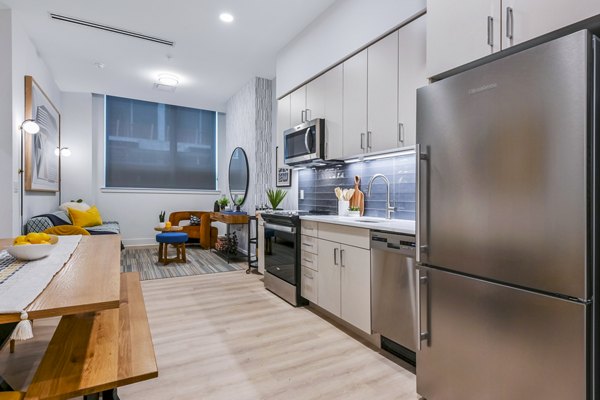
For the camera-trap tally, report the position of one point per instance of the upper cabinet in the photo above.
(527, 19)
(461, 31)
(464, 31)
(333, 83)
(298, 106)
(411, 76)
(382, 94)
(355, 104)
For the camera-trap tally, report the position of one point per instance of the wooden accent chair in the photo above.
(205, 233)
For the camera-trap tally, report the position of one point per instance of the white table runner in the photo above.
(22, 288)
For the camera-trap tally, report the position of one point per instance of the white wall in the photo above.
(19, 58)
(7, 136)
(342, 29)
(77, 170)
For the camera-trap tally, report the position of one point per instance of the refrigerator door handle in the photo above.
(420, 247)
(422, 280)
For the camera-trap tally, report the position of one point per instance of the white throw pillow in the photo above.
(72, 204)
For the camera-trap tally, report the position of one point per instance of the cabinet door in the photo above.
(355, 104)
(457, 32)
(382, 104)
(356, 286)
(328, 284)
(527, 19)
(334, 92)
(411, 76)
(283, 123)
(315, 98)
(298, 106)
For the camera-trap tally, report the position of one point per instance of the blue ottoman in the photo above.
(175, 239)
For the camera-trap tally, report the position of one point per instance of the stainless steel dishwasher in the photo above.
(393, 305)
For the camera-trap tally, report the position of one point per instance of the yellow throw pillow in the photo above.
(66, 230)
(87, 218)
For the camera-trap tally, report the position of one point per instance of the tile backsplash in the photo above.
(318, 185)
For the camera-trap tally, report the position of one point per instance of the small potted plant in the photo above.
(238, 203)
(223, 202)
(353, 211)
(161, 220)
(275, 197)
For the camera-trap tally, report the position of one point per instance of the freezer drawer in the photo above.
(504, 191)
(492, 342)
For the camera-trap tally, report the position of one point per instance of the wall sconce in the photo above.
(31, 127)
(63, 152)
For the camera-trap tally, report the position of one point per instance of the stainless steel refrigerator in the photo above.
(507, 227)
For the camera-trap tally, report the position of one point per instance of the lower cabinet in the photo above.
(344, 284)
(308, 287)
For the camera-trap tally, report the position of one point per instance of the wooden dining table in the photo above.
(103, 339)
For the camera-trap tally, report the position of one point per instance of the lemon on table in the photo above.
(20, 239)
(168, 225)
(45, 237)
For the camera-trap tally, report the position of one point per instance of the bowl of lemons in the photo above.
(32, 246)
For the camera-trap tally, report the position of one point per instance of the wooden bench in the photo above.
(98, 352)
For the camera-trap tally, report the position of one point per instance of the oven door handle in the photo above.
(281, 228)
(306, 140)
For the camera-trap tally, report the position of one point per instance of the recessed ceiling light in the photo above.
(99, 65)
(168, 80)
(226, 17)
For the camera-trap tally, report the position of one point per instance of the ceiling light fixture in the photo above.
(226, 17)
(168, 80)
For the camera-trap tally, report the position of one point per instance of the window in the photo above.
(159, 146)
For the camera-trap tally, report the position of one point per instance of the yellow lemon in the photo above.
(168, 225)
(22, 244)
(45, 237)
(44, 242)
(20, 239)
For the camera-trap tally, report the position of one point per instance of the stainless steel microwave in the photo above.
(305, 143)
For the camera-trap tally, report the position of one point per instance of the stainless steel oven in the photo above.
(305, 143)
(281, 255)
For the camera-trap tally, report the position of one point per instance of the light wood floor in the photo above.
(223, 336)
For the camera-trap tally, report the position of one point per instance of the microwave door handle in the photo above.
(306, 140)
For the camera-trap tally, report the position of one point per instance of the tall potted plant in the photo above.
(275, 197)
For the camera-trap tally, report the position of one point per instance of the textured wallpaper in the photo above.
(248, 125)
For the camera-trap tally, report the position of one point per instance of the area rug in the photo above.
(199, 262)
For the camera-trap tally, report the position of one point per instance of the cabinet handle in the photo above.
(308, 276)
(307, 260)
(335, 256)
(369, 140)
(510, 23)
(308, 114)
(362, 141)
(307, 244)
(421, 280)
(490, 31)
(342, 258)
(302, 115)
(401, 132)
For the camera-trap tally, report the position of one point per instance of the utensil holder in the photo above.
(343, 207)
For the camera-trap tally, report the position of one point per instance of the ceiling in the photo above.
(212, 59)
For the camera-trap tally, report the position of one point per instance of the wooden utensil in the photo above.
(358, 199)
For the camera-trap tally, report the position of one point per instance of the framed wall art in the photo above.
(284, 175)
(42, 165)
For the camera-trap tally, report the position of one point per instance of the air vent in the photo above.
(110, 29)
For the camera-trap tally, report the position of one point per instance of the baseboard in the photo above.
(139, 242)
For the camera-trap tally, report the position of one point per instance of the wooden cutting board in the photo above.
(358, 199)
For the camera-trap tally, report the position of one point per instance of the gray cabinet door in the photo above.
(355, 104)
(504, 191)
(382, 108)
(298, 106)
(493, 342)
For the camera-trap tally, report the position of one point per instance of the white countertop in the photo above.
(389, 225)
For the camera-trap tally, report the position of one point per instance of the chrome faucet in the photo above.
(389, 209)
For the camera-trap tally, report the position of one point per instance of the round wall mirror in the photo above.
(238, 176)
